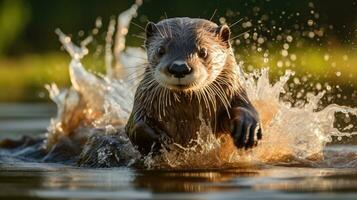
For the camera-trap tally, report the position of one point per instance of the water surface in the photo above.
(50, 181)
(24, 180)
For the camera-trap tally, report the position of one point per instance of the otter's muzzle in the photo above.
(179, 69)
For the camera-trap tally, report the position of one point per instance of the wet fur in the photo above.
(176, 114)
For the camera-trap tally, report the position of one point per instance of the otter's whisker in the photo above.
(205, 99)
(162, 98)
(137, 25)
(165, 15)
(143, 58)
(214, 13)
(239, 20)
(139, 36)
(212, 97)
(164, 31)
(153, 97)
(147, 83)
(162, 36)
(221, 95)
(134, 77)
(134, 74)
(167, 97)
(176, 97)
(239, 35)
(169, 29)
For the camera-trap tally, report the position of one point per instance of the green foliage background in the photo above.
(31, 56)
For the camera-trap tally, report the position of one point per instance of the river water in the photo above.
(36, 181)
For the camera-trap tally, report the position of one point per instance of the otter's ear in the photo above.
(150, 29)
(224, 33)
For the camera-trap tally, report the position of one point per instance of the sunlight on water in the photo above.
(291, 133)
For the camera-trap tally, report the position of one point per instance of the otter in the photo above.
(191, 78)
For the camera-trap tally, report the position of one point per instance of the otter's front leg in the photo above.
(143, 136)
(245, 127)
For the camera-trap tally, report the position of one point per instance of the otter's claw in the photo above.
(246, 130)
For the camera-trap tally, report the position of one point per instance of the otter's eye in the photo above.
(161, 51)
(202, 53)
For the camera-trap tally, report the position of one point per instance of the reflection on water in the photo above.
(60, 182)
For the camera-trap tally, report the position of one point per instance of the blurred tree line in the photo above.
(27, 26)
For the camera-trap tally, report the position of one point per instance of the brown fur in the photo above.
(179, 113)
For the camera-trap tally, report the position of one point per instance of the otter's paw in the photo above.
(245, 127)
(146, 138)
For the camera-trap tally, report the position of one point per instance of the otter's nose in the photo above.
(179, 69)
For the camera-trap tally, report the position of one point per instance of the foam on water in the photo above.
(290, 133)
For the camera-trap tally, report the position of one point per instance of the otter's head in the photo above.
(185, 53)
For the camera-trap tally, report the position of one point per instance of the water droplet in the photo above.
(311, 34)
(289, 38)
(293, 57)
(318, 86)
(287, 63)
(246, 35)
(279, 63)
(247, 24)
(95, 31)
(284, 53)
(67, 39)
(345, 57)
(98, 22)
(80, 33)
(326, 57)
(286, 46)
(124, 31)
(296, 81)
(310, 22)
(222, 20)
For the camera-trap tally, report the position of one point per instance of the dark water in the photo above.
(19, 180)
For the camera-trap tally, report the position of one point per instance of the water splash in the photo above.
(291, 133)
(93, 101)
